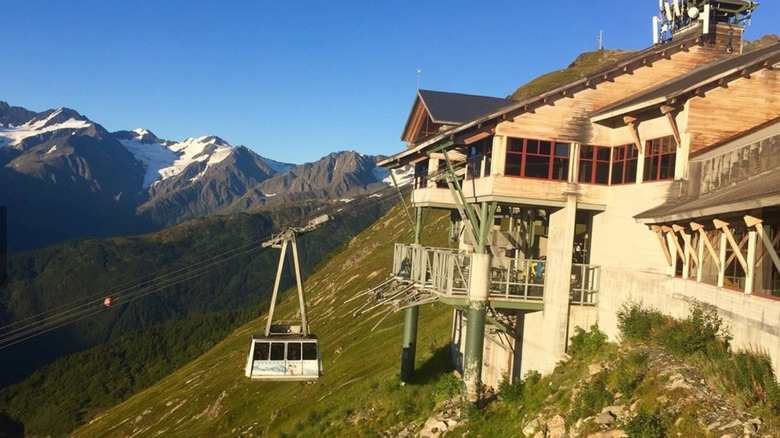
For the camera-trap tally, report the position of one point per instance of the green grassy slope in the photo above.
(586, 63)
(358, 395)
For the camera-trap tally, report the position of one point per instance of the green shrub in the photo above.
(629, 372)
(585, 344)
(593, 397)
(447, 387)
(637, 323)
(516, 392)
(750, 377)
(510, 392)
(700, 332)
(646, 425)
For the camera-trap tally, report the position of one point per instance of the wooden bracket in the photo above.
(768, 245)
(631, 122)
(657, 230)
(724, 228)
(703, 235)
(667, 111)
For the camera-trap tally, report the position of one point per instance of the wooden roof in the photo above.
(626, 66)
(665, 93)
(755, 193)
(445, 108)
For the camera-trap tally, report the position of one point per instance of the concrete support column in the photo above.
(409, 347)
(411, 315)
(558, 281)
(479, 287)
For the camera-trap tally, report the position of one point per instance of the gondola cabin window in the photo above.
(660, 159)
(541, 159)
(261, 351)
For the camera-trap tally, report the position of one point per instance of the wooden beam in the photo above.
(667, 111)
(750, 273)
(768, 246)
(703, 235)
(724, 227)
(657, 230)
(631, 122)
(677, 244)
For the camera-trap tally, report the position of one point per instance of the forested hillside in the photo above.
(155, 333)
(359, 393)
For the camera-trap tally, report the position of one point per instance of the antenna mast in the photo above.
(678, 15)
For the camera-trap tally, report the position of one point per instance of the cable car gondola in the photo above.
(285, 352)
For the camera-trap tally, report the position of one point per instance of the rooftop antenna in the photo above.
(601, 40)
(675, 16)
(419, 72)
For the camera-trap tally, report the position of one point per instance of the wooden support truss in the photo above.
(691, 251)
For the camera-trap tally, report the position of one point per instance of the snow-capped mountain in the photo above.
(77, 179)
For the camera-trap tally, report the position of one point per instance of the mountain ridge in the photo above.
(63, 167)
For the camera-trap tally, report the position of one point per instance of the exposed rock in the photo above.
(531, 426)
(614, 433)
(604, 418)
(556, 427)
(594, 369)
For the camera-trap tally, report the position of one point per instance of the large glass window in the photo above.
(537, 159)
(479, 154)
(624, 164)
(660, 157)
(421, 174)
(594, 164)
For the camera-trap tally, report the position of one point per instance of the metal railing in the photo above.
(517, 278)
(584, 288)
(446, 271)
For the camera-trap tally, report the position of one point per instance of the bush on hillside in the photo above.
(637, 323)
(585, 344)
(701, 332)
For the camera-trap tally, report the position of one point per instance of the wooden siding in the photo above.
(724, 112)
(567, 118)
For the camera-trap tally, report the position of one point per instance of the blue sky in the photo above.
(295, 80)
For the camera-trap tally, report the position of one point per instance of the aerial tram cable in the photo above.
(117, 291)
(126, 292)
(96, 306)
(145, 281)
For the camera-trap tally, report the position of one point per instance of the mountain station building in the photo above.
(655, 180)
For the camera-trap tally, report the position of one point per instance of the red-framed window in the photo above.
(541, 159)
(624, 164)
(660, 158)
(594, 164)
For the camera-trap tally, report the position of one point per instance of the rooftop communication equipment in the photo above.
(678, 15)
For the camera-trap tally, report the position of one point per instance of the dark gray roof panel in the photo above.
(757, 192)
(456, 108)
(695, 77)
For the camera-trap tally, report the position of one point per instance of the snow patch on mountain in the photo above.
(277, 166)
(164, 160)
(12, 135)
